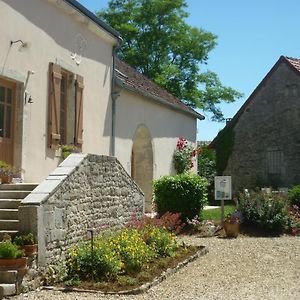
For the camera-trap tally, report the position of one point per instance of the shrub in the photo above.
(294, 195)
(170, 221)
(294, 221)
(124, 252)
(183, 193)
(160, 240)
(22, 239)
(104, 263)
(265, 211)
(142, 222)
(131, 247)
(9, 250)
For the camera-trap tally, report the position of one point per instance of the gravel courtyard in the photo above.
(242, 268)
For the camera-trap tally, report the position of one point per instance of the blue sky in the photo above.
(252, 35)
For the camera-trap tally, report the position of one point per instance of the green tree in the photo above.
(162, 46)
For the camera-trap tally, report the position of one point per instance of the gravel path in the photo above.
(242, 268)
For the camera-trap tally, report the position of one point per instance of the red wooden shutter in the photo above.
(79, 111)
(54, 106)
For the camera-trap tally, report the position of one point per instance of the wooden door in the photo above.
(7, 99)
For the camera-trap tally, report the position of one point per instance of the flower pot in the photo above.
(30, 250)
(6, 178)
(232, 229)
(13, 263)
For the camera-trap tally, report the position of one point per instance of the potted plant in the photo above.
(27, 242)
(6, 172)
(11, 257)
(66, 150)
(232, 223)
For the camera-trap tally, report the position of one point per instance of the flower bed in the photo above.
(128, 258)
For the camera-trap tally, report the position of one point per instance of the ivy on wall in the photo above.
(224, 146)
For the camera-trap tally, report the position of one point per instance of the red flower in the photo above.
(181, 143)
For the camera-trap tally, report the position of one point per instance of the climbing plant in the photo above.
(207, 163)
(183, 156)
(224, 147)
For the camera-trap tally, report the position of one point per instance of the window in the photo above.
(65, 107)
(5, 112)
(274, 161)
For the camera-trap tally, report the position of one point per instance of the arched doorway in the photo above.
(142, 163)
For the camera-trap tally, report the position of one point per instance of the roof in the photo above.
(94, 18)
(292, 63)
(295, 62)
(135, 81)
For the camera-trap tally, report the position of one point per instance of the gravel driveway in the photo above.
(242, 268)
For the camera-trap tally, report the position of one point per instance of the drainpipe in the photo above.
(114, 96)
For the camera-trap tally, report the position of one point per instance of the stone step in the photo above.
(18, 186)
(7, 290)
(9, 225)
(9, 276)
(13, 194)
(9, 214)
(9, 203)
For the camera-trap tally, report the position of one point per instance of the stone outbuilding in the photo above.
(260, 146)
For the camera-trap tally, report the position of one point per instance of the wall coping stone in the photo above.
(48, 187)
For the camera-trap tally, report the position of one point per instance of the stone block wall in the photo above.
(85, 191)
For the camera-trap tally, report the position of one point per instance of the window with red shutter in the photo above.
(54, 106)
(65, 108)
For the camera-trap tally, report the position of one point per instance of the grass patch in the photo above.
(215, 214)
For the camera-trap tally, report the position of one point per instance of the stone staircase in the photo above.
(11, 196)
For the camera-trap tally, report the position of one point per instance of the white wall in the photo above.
(165, 126)
(50, 33)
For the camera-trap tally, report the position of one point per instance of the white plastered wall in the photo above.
(50, 33)
(165, 125)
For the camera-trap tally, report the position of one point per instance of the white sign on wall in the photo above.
(223, 188)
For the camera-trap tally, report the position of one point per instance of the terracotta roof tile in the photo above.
(294, 61)
(137, 81)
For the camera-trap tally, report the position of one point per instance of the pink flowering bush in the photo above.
(169, 221)
(184, 155)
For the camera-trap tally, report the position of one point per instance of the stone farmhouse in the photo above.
(61, 84)
(265, 142)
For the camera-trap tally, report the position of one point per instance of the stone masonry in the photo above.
(85, 191)
(266, 151)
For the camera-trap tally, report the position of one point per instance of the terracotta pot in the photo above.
(5, 178)
(13, 263)
(30, 250)
(231, 229)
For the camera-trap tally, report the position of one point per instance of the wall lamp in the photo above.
(18, 41)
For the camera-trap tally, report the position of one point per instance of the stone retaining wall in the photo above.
(85, 191)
